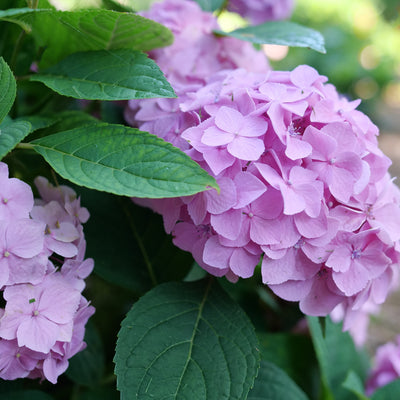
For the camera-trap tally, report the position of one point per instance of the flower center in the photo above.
(356, 254)
(6, 254)
(299, 243)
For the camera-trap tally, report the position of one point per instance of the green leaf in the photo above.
(121, 74)
(355, 385)
(98, 393)
(62, 33)
(8, 89)
(12, 14)
(210, 5)
(11, 133)
(280, 32)
(123, 161)
(125, 239)
(113, 5)
(390, 391)
(29, 395)
(336, 348)
(186, 341)
(37, 121)
(272, 383)
(87, 367)
(292, 353)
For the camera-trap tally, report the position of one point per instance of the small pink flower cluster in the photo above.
(196, 54)
(386, 366)
(304, 188)
(259, 11)
(42, 272)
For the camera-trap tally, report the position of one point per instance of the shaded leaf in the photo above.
(186, 340)
(272, 383)
(37, 121)
(8, 89)
(121, 74)
(336, 348)
(280, 32)
(65, 32)
(389, 392)
(11, 15)
(355, 385)
(11, 133)
(124, 237)
(294, 354)
(29, 395)
(123, 161)
(87, 367)
(210, 5)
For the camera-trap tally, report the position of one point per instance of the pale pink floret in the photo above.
(60, 229)
(15, 361)
(16, 198)
(21, 252)
(386, 366)
(34, 318)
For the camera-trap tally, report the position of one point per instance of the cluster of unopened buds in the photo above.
(42, 272)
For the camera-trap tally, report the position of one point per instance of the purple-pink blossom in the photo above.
(42, 272)
(304, 190)
(258, 11)
(195, 55)
(386, 366)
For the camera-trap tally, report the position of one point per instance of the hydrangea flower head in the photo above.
(305, 190)
(42, 324)
(195, 55)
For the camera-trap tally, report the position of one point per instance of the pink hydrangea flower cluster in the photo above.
(42, 272)
(386, 366)
(304, 189)
(196, 54)
(259, 11)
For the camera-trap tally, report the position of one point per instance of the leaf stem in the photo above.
(14, 54)
(140, 243)
(25, 146)
(33, 4)
(222, 8)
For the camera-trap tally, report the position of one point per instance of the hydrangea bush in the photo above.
(278, 212)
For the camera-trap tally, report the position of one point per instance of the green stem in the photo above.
(33, 3)
(140, 244)
(223, 8)
(25, 146)
(108, 379)
(13, 60)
